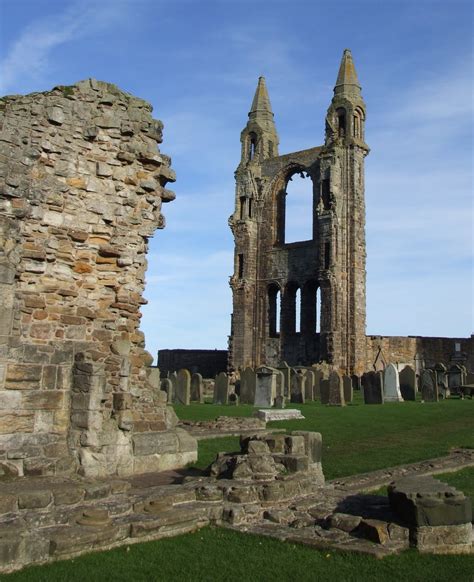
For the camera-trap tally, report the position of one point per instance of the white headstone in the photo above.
(391, 385)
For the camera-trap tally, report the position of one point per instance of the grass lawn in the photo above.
(359, 438)
(214, 555)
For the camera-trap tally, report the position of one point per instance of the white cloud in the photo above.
(29, 55)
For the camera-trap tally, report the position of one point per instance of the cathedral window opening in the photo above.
(326, 191)
(298, 311)
(274, 310)
(241, 266)
(252, 146)
(242, 207)
(341, 122)
(298, 211)
(327, 255)
(318, 311)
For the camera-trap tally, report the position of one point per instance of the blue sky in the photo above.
(198, 63)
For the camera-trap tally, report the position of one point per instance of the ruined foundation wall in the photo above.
(81, 187)
(430, 350)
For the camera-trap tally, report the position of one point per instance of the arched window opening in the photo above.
(298, 311)
(242, 207)
(240, 266)
(341, 122)
(359, 123)
(327, 255)
(299, 208)
(326, 191)
(274, 309)
(318, 311)
(249, 208)
(252, 145)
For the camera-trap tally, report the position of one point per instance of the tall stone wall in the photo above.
(81, 187)
(427, 350)
(208, 363)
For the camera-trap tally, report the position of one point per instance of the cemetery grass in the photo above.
(359, 438)
(217, 554)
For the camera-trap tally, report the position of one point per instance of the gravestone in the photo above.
(286, 371)
(347, 388)
(408, 383)
(456, 378)
(167, 386)
(297, 389)
(336, 392)
(429, 386)
(174, 381)
(356, 385)
(197, 392)
(248, 381)
(265, 389)
(372, 387)
(233, 399)
(221, 389)
(391, 384)
(183, 387)
(324, 391)
(280, 401)
(318, 376)
(280, 382)
(309, 386)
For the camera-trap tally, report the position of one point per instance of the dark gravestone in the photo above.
(373, 387)
(348, 389)
(182, 393)
(324, 391)
(248, 382)
(297, 389)
(356, 385)
(197, 393)
(221, 389)
(455, 378)
(309, 385)
(286, 371)
(318, 376)
(429, 386)
(336, 392)
(408, 383)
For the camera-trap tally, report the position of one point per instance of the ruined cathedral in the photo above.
(271, 274)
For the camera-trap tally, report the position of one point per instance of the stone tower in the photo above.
(325, 274)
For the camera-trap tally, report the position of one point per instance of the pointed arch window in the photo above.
(274, 310)
(252, 148)
(341, 121)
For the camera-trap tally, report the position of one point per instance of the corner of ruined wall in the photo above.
(82, 183)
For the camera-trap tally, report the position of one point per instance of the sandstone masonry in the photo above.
(81, 187)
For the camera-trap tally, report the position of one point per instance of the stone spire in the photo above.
(261, 108)
(347, 82)
(259, 137)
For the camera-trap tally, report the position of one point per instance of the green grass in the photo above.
(214, 555)
(360, 438)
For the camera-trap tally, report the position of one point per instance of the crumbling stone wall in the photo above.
(81, 187)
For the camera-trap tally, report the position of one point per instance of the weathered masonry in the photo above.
(81, 187)
(301, 301)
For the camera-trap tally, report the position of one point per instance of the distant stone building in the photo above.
(208, 363)
(272, 276)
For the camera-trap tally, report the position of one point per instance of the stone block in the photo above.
(42, 400)
(187, 443)
(313, 444)
(344, 521)
(445, 539)
(23, 376)
(17, 422)
(149, 443)
(34, 499)
(295, 445)
(425, 501)
(374, 530)
(295, 463)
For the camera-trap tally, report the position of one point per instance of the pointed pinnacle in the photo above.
(347, 81)
(261, 100)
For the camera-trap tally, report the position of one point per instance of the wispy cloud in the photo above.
(29, 55)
